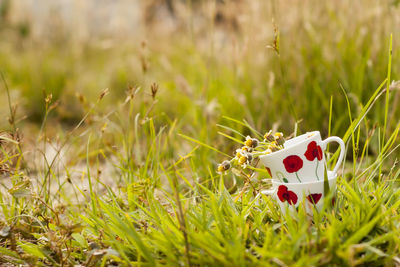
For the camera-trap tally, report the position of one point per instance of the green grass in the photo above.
(130, 178)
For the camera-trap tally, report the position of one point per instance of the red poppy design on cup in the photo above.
(314, 198)
(313, 151)
(293, 163)
(285, 195)
(269, 171)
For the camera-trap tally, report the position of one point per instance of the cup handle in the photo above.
(342, 149)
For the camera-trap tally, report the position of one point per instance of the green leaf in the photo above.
(80, 239)
(362, 232)
(9, 253)
(326, 182)
(32, 250)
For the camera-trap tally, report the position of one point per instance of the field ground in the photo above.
(116, 116)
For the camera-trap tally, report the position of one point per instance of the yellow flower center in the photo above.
(248, 142)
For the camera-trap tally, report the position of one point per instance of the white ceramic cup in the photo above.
(290, 196)
(302, 159)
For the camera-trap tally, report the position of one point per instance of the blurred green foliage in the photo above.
(111, 179)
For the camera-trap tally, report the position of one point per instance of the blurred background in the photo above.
(273, 63)
(112, 109)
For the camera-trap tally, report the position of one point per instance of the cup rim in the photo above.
(331, 176)
(285, 149)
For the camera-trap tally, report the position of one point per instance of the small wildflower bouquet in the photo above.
(246, 157)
